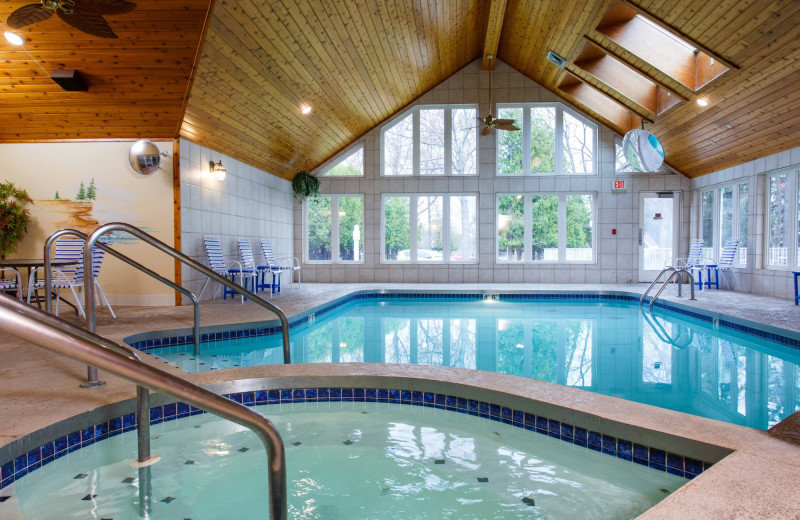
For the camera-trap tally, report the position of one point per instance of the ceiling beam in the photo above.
(497, 12)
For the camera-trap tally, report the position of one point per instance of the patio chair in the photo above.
(693, 262)
(725, 263)
(288, 264)
(13, 284)
(71, 277)
(231, 270)
(263, 271)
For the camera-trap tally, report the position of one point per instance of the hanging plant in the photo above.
(14, 218)
(305, 185)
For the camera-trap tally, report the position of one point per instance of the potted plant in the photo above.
(14, 218)
(305, 185)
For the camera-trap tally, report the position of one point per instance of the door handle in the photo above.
(640, 236)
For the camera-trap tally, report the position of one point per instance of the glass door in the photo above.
(659, 217)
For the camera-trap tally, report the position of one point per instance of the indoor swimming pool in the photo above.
(603, 344)
(400, 462)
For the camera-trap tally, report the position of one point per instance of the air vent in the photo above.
(555, 58)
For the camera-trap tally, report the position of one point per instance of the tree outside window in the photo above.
(335, 219)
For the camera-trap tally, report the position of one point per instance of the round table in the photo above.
(31, 263)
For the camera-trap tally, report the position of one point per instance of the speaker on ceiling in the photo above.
(70, 80)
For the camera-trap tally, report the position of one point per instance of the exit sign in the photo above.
(619, 185)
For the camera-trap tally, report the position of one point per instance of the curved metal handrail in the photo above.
(48, 245)
(669, 279)
(55, 334)
(151, 240)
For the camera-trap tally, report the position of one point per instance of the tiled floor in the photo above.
(759, 480)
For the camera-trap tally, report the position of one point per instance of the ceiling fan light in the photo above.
(306, 109)
(13, 38)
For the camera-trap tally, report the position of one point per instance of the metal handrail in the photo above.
(644, 294)
(48, 274)
(55, 334)
(149, 239)
(675, 271)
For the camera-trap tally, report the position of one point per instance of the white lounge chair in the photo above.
(11, 284)
(264, 272)
(231, 270)
(289, 264)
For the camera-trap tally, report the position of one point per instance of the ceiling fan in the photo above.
(489, 123)
(84, 15)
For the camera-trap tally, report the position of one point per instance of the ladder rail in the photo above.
(54, 334)
(48, 278)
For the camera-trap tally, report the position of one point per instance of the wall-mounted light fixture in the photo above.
(218, 170)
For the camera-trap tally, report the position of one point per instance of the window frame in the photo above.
(562, 228)
(414, 113)
(560, 109)
(334, 230)
(793, 213)
(446, 252)
(323, 172)
(716, 192)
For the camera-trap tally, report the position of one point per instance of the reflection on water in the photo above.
(608, 348)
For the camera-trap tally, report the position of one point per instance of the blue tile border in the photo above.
(657, 459)
(169, 341)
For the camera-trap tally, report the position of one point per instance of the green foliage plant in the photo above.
(304, 185)
(14, 218)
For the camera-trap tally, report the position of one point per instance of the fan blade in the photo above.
(27, 15)
(104, 6)
(504, 121)
(486, 131)
(89, 23)
(510, 128)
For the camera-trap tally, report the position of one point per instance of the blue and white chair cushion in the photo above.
(289, 264)
(14, 283)
(231, 270)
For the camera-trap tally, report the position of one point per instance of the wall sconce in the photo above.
(218, 170)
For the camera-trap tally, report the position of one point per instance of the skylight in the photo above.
(667, 33)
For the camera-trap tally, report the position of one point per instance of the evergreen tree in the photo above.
(81, 193)
(91, 192)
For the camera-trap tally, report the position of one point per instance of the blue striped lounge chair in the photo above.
(264, 272)
(694, 262)
(288, 264)
(11, 284)
(232, 270)
(71, 277)
(725, 264)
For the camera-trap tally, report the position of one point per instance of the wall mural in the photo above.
(80, 208)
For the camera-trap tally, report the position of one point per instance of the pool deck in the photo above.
(759, 479)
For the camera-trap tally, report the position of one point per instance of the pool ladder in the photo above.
(55, 334)
(675, 271)
(89, 289)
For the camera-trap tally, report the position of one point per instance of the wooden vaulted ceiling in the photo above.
(357, 62)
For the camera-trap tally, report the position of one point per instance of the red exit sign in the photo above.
(619, 185)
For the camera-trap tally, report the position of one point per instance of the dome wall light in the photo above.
(13, 38)
(217, 170)
(306, 109)
(702, 102)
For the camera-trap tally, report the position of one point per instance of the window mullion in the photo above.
(448, 141)
(559, 141)
(412, 217)
(562, 228)
(335, 229)
(446, 228)
(792, 243)
(526, 141)
(415, 148)
(527, 228)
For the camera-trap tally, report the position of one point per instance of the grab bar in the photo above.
(92, 381)
(664, 285)
(149, 239)
(55, 334)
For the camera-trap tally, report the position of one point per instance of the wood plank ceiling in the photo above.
(356, 62)
(137, 83)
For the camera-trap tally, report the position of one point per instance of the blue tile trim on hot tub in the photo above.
(657, 459)
(168, 341)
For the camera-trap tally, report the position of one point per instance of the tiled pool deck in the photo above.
(759, 480)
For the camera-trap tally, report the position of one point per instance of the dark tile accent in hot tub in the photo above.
(620, 448)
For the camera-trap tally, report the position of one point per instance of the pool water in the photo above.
(609, 347)
(347, 461)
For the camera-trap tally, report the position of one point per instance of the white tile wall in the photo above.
(754, 278)
(618, 254)
(248, 203)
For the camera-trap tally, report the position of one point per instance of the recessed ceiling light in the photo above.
(306, 109)
(728, 126)
(13, 38)
(490, 56)
(702, 102)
